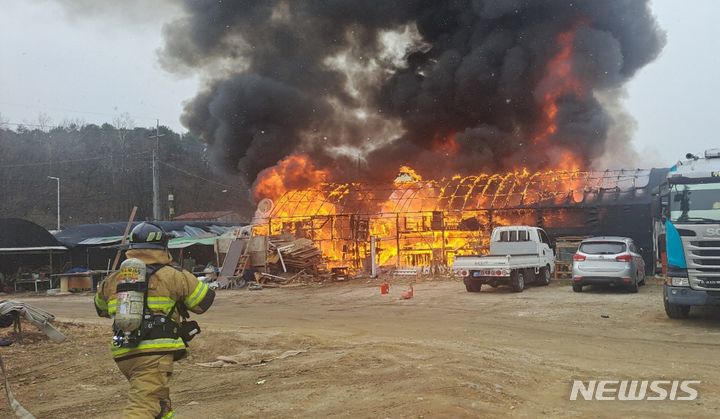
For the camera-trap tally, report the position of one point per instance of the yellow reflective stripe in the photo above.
(112, 306)
(164, 304)
(197, 295)
(100, 303)
(168, 415)
(150, 344)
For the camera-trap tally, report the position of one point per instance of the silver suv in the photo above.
(608, 261)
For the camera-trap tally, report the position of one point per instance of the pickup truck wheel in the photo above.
(471, 285)
(468, 285)
(517, 281)
(529, 276)
(577, 288)
(676, 311)
(544, 276)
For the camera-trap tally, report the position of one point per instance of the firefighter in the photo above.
(145, 355)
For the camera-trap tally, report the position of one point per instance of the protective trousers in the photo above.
(149, 395)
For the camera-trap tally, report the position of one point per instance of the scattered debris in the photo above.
(605, 316)
(250, 358)
(40, 318)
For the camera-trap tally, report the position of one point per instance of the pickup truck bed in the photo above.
(488, 262)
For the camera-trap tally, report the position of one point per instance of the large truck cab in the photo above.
(691, 220)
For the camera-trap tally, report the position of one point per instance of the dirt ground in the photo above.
(445, 353)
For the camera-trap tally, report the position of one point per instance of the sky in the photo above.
(96, 65)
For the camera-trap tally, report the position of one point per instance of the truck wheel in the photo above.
(529, 276)
(544, 276)
(517, 281)
(577, 288)
(676, 311)
(468, 285)
(471, 285)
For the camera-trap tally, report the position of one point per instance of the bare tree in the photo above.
(123, 122)
(44, 121)
(73, 124)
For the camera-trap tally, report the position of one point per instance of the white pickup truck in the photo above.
(518, 255)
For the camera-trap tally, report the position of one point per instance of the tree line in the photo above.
(104, 171)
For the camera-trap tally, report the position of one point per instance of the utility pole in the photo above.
(157, 215)
(57, 179)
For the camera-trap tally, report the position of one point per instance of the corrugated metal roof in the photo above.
(182, 242)
(100, 240)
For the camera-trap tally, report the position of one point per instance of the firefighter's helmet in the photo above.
(148, 236)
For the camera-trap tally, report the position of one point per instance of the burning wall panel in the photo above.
(429, 222)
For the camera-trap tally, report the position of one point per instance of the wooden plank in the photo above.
(232, 258)
(124, 238)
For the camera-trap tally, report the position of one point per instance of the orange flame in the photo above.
(447, 146)
(559, 81)
(293, 172)
(407, 174)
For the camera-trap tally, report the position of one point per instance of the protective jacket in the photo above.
(169, 287)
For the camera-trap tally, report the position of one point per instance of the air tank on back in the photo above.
(130, 303)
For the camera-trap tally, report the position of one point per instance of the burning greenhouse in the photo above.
(322, 101)
(419, 222)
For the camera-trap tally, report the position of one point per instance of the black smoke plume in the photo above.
(466, 92)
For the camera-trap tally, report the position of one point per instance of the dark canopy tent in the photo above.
(25, 236)
(27, 246)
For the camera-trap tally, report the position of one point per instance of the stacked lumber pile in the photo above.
(284, 280)
(294, 255)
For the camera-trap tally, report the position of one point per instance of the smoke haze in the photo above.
(459, 86)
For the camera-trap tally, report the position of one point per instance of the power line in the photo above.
(47, 163)
(195, 176)
(84, 123)
(71, 110)
(23, 124)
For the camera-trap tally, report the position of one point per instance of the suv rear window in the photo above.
(602, 248)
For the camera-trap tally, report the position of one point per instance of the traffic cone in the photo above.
(410, 293)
